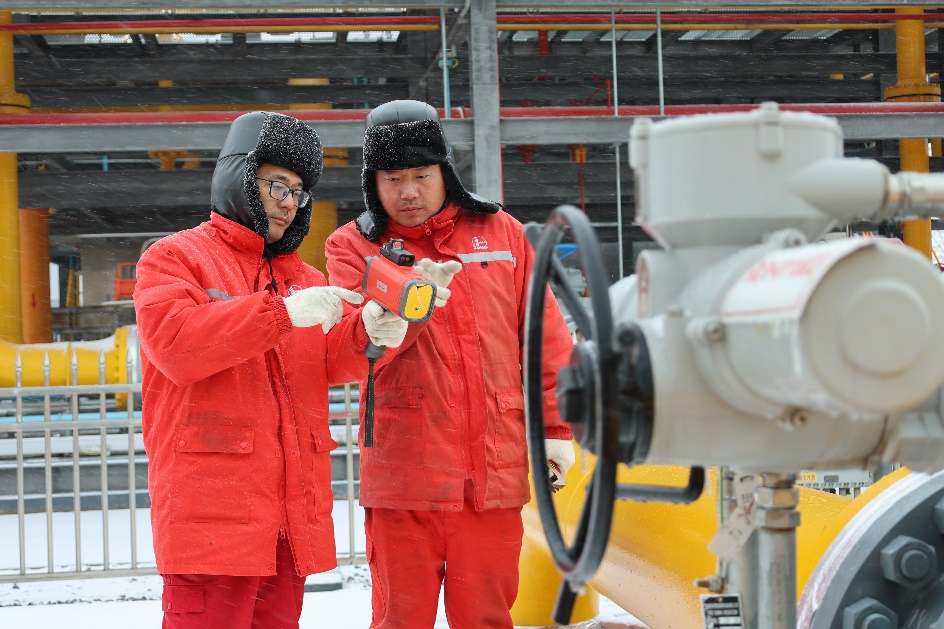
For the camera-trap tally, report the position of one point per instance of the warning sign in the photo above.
(722, 611)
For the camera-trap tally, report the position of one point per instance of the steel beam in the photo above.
(102, 5)
(104, 138)
(142, 5)
(483, 59)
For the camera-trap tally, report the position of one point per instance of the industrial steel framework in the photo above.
(545, 95)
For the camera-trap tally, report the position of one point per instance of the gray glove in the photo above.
(383, 327)
(319, 304)
(439, 273)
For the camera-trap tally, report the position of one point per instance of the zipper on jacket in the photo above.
(452, 332)
(267, 253)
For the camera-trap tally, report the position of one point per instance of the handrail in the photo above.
(91, 435)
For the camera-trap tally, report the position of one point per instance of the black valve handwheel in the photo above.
(593, 402)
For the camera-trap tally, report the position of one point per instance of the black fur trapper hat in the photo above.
(407, 134)
(262, 137)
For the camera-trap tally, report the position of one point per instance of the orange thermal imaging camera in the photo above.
(391, 281)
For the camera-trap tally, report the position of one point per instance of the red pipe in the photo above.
(650, 18)
(546, 18)
(316, 115)
(133, 25)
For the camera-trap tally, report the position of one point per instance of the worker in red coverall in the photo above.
(445, 480)
(240, 340)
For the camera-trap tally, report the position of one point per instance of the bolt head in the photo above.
(868, 613)
(909, 561)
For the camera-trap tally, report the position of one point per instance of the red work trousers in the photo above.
(412, 554)
(207, 601)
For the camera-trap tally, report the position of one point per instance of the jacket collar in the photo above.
(237, 235)
(445, 218)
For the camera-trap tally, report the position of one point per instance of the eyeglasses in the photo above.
(279, 191)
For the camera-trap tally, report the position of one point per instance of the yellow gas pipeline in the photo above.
(88, 354)
(656, 551)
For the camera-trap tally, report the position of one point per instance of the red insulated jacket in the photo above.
(450, 403)
(235, 404)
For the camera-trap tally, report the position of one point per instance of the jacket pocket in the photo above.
(511, 444)
(400, 397)
(316, 445)
(212, 473)
(399, 427)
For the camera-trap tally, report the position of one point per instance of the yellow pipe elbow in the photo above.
(656, 551)
(87, 353)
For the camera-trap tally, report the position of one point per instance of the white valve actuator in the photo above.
(849, 327)
(763, 351)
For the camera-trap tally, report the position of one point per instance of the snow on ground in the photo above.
(113, 603)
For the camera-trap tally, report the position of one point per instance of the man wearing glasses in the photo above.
(240, 340)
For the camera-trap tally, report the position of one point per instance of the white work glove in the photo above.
(440, 274)
(383, 327)
(319, 304)
(560, 458)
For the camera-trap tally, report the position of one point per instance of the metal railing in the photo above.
(75, 456)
